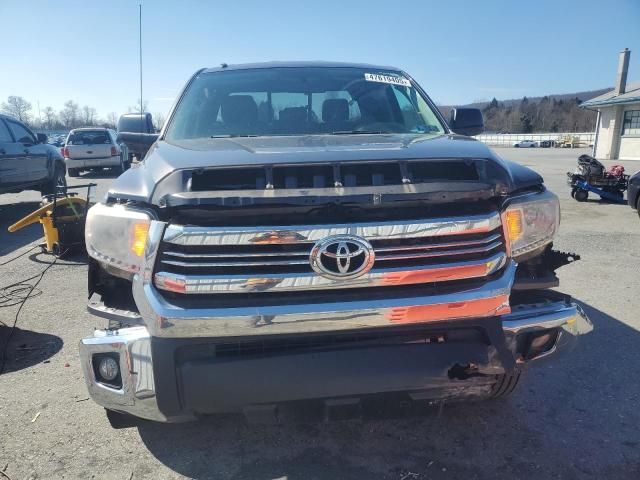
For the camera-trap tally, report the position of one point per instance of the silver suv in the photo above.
(93, 148)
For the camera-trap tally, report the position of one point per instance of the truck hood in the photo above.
(164, 158)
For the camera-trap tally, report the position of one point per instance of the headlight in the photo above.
(531, 222)
(117, 236)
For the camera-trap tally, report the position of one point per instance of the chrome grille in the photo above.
(241, 260)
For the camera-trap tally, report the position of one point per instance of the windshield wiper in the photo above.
(232, 135)
(358, 132)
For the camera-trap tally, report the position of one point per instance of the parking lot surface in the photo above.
(573, 418)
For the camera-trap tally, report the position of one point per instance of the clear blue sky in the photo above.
(459, 51)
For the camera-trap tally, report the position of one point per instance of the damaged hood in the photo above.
(165, 158)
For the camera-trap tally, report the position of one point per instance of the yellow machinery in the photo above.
(62, 218)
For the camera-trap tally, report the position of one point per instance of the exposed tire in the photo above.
(638, 205)
(73, 172)
(124, 165)
(58, 180)
(505, 384)
(581, 195)
(119, 420)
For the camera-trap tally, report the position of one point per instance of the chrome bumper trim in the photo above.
(568, 316)
(378, 277)
(137, 395)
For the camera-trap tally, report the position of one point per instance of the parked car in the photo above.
(93, 148)
(27, 162)
(633, 192)
(318, 234)
(141, 126)
(544, 143)
(56, 142)
(525, 144)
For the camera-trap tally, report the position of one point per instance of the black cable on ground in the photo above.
(24, 298)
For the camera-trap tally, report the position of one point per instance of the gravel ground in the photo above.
(575, 417)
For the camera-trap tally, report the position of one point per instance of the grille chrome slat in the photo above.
(241, 254)
(285, 235)
(468, 251)
(238, 263)
(463, 243)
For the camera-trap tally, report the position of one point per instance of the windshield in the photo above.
(88, 137)
(301, 101)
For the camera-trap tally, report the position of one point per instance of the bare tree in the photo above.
(17, 107)
(88, 115)
(112, 119)
(49, 117)
(69, 114)
(137, 109)
(158, 120)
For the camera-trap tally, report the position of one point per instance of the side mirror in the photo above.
(466, 121)
(136, 139)
(42, 138)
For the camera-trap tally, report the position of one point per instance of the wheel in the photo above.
(505, 384)
(58, 180)
(119, 420)
(638, 205)
(74, 172)
(573, 193)
(581, 195)
(124, 165)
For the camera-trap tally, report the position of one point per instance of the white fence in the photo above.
(508, 139)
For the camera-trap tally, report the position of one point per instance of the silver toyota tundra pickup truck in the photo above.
(316, 237)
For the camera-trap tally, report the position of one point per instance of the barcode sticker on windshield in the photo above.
(392, 79)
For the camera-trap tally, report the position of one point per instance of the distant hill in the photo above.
(550, 113)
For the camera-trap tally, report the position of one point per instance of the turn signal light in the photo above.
(139, 238)
(114, 151)
(513, 224)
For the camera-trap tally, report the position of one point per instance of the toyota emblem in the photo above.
(341, 257)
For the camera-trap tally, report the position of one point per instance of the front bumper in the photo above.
(205, 385)
(93, 162)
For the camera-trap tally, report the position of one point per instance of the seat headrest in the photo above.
(293, 115)
(239, 110)
(335, 110)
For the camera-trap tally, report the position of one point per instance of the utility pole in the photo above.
(140, 39)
